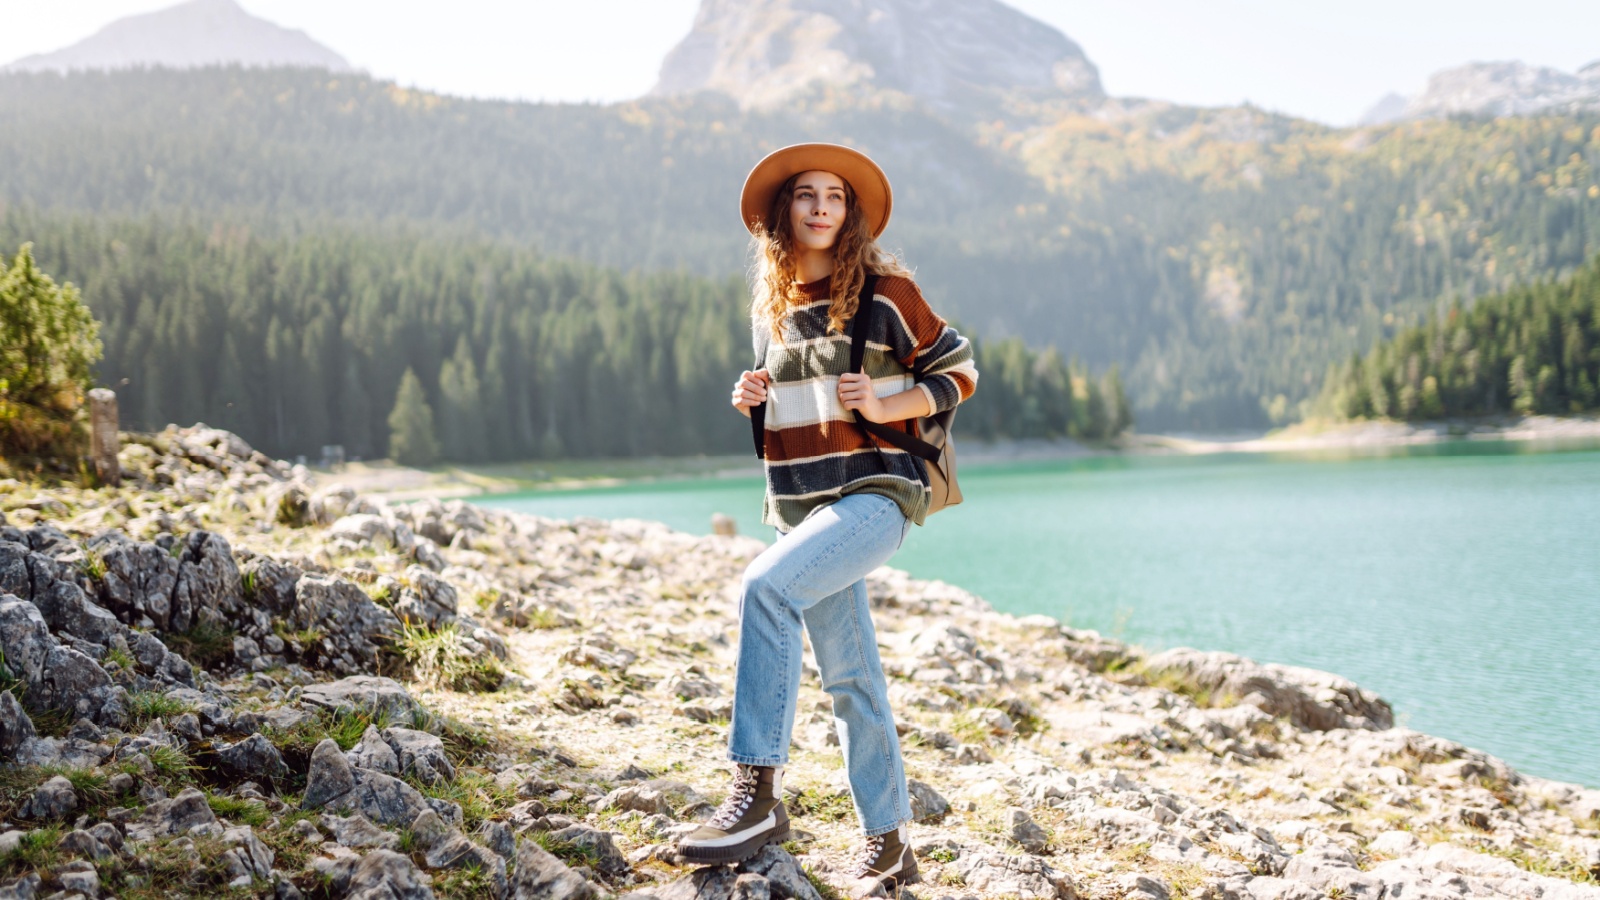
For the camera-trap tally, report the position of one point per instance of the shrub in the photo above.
(48, 342)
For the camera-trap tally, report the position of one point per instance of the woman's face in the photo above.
(817, 211)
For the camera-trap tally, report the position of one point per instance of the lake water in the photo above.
(1461, 583)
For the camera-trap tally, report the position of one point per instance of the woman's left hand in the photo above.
(856, 393)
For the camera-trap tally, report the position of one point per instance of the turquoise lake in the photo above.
(1461, 582)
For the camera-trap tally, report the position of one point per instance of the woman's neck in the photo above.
(813, 265)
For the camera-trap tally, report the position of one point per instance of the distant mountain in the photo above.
(942, 52)
(197, 33)
(1494, 89)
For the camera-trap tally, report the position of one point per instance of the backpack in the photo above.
(936, 446)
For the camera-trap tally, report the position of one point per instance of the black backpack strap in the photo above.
(758, 413)
(860, 327)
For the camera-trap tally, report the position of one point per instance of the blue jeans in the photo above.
(815, 577)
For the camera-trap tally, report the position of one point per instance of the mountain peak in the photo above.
(1499, 88)
(944, 52)
(191, 34)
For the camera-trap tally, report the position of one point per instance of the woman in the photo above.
(842, 503)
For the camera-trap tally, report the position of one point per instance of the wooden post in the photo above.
(103, 436)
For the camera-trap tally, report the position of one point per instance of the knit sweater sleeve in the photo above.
(939, 358)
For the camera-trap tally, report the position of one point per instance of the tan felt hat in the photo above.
(865, 178)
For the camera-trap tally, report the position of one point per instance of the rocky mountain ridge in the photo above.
(188, 35)
(226, 679)
(1506, 88)
(947, 53)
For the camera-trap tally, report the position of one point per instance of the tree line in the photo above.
(1534, 349)
(1222, 258)
(349, 336)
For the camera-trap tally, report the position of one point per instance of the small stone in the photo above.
(611, 860)
(15, 726)
(329, 776)
(927, 804)
(52, 800)
(253, 757)
(82, 843)
(750, 887)
(357, 830)
(1025, 832)
(541, 876)
(420, 754)
(1394, 844)
(386, 875)
(374, 753)
(79, 877)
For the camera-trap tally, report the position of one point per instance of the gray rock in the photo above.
(10, 841)
(497, 836)
(927, 804)
(82, 843)
(611, 860)
(420, 754)
(250, 858)
(540, 876)
(353, 625)
(139, 580)
(24, 888)
(658, 796)
(329, 776)
(1330, 868)
(180, 815)
(15, 726)
(1394, 844)
(381, 697)
(712, 883)
(363, 528)
(1020, 876)
(208, 587)
(1026, 832)
(1134, 886)
(750, 887)
(386, 875)
(443, 847)
(253, 757)
(78, 877)
(57, 677)
(14, 577)
(373, 753)
(448, 810)
(66, 608)
(356, 830)
(1309, 698)
(107, 833)
(785, 879)
(50, 801)
(271, 585)
(427, 598)
(331, 783)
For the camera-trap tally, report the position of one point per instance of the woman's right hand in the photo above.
(750, 391)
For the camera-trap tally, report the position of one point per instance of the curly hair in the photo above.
(855, 255)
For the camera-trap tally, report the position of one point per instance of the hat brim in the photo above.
(866, 179)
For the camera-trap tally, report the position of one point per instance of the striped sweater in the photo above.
(815, 452)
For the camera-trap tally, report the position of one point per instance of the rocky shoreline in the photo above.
(224, 680)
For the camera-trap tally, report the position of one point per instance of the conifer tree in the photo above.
(411, 437)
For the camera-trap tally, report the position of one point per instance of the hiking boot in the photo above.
(886, 863)
(751, 818)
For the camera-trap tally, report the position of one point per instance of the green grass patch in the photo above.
(38, 852)
(543, 618)
(145, 707)
(345, 727)
(173, 767)
(443, 659)
(570, 853)
(250, 812)
(190, 866)
(1179, 682)
(204, 645)
(466, 883)
(122, 659)
(91, 564)
(477, 794)
(305, 637)
(822, 887)
(829, 807)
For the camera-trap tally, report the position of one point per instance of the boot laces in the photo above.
(870, 856)
(739, 799)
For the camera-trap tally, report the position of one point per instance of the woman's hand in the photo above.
(750, 391)
(856, 393)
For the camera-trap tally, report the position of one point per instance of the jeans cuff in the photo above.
(756, 760)
(874, 832)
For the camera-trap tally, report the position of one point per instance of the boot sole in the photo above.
(738, 853)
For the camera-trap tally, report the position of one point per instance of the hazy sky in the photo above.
(1322, 60)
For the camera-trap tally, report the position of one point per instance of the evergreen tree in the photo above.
(411, 437)
(48, 342)
(463, 412)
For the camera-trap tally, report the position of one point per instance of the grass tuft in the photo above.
(145, 707)
(204, 645)
(446, 660)
(250, 812)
